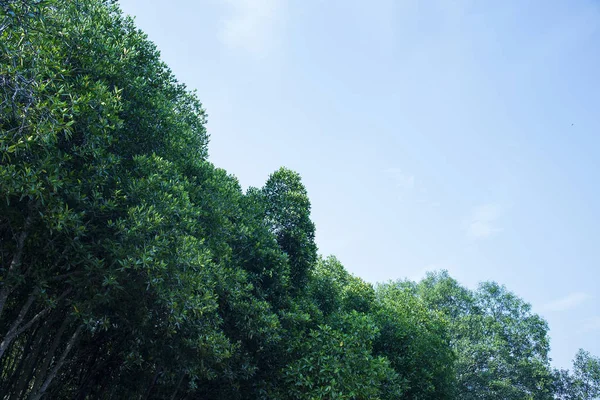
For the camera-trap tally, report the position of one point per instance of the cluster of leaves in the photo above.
(131, 267)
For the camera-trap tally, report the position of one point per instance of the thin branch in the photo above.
(16, 261)
(59, 364)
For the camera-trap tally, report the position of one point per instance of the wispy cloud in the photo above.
(567, 302)
(590, 325)
(252, 25)
(483, 221)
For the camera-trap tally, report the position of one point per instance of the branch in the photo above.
(16, 261)
(59, 364)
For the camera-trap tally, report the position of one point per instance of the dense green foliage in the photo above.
(131, 267)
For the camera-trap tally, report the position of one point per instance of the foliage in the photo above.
(416, 341)
(340, 364)
(583, 383)
(501, 347)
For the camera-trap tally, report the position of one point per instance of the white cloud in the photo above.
(252, 24)
(483, 220)
(566, 303)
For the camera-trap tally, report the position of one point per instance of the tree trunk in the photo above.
(42, 371)
(174, 395)
(153, 383)
(15, 263)
(12, 332)
(38, 395)
(16, 366)
(16, 329)
(89, 381)
(25, 375)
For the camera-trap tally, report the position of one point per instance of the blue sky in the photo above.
(459, 135)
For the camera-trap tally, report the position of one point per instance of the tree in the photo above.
(340, 364)
(583, 383)
(416, 341)
(501, 346)
(335, 290)
(288, 215)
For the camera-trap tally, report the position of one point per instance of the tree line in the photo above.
(131, 267)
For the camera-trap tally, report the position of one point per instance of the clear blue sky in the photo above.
(459, 135)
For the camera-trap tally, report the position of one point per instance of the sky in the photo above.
(445, 134)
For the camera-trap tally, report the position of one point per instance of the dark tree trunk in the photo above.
(38, 395)
(15, 262)
(153, 383)
(26, 374)
(174, 395)
(43, 369)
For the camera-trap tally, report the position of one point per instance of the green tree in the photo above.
(338, 363)
(335, 290)
(416, 342)
(583, 382)
(501, 346)
(288, 215)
